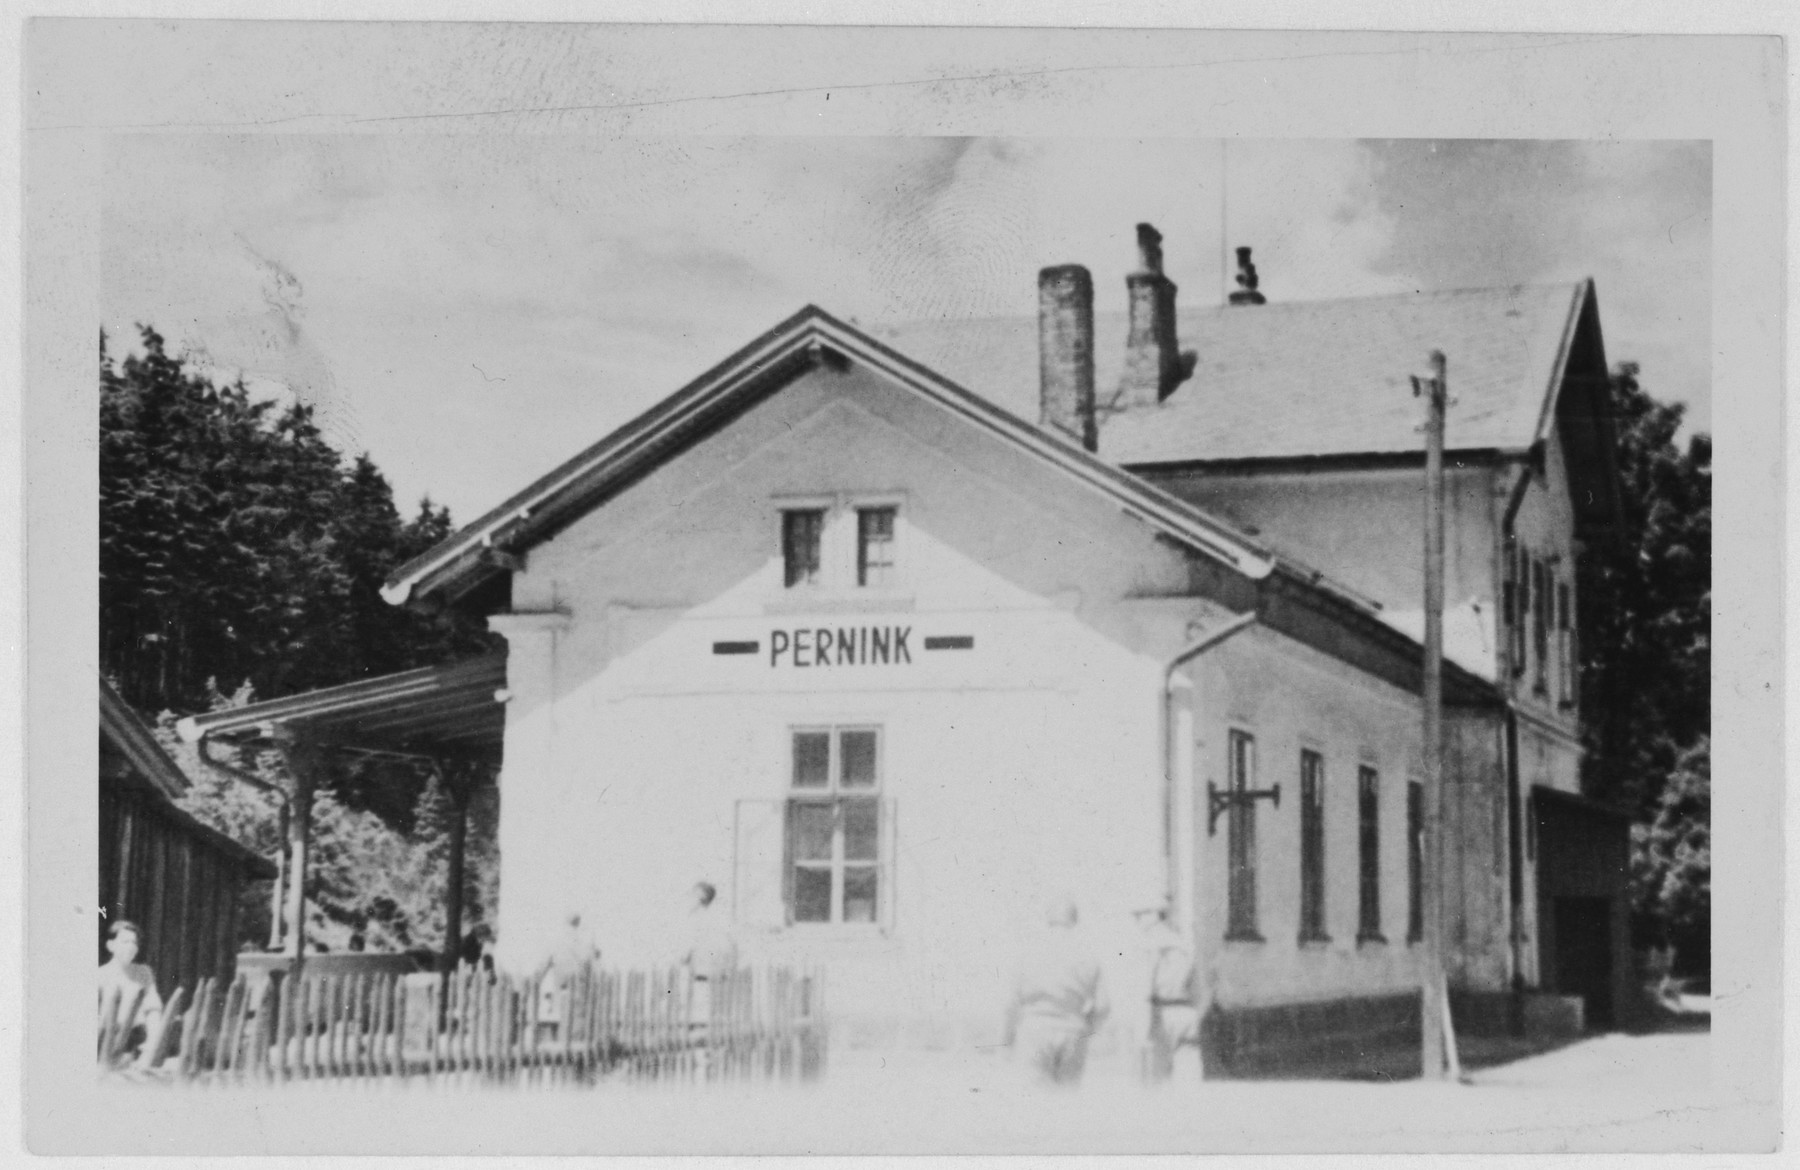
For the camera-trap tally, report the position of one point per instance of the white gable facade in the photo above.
(892, 670)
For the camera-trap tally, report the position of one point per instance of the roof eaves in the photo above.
(119, 723)
(362, 695)
(803, 332)
(1149, 503)
(463, 550)
(1559, 368)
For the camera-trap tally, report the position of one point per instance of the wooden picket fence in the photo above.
(664, 1024)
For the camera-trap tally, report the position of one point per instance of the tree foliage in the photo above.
(1671, 864)
(242, 556)
(1646, 599)
(237, 545)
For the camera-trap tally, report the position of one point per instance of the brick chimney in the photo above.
(1246, 278)
(1066, 353)
(1153, 367)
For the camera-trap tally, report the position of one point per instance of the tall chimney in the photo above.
(1153, 368)
(1066, 353)
(1246, 278)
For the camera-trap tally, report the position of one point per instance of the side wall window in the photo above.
(1368, 855)
(834, 831)
(1518, 590)
(1312, 847)
(1240, 835)
(1540, 626)
(1415, 861)
(1565, 625)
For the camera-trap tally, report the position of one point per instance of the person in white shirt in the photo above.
(1174, 1010)
(1059, 999)
(123, 979)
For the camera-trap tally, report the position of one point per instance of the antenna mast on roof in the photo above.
(1224, 268)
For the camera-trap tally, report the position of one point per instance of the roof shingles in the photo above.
(1294, 380)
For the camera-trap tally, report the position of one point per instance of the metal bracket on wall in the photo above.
(1218, 800)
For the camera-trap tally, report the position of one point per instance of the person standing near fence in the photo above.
(123, 978)
(1173, 1016)
(707, 949)
(1059, 999)
(575, 952)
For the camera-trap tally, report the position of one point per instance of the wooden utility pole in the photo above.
(1438, 1041)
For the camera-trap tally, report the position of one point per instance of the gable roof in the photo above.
(1303, 379)
(811, 336)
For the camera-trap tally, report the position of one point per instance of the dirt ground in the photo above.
(1617, 1092)
(1614, 1092)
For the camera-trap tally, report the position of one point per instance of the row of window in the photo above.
(833, 867)
(1536, 606)
(803, 546)
(1241, 909)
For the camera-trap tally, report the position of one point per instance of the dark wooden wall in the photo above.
(179, 886)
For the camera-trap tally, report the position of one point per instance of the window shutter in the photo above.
(890, 865)
(1521, 573)
(759, 900)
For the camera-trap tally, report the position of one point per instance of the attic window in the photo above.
(874, 547)
(802, 531)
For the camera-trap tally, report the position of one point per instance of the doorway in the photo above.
(1583, 933)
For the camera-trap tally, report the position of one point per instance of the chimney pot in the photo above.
(1246, 278)
(1149, 242)
(1153, 365)
(1066, 353)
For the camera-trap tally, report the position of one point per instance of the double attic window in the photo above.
(813, 559)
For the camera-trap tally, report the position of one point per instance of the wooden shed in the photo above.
(160, 867)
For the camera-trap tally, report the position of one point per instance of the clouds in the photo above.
(1635, 216)
(431, 292)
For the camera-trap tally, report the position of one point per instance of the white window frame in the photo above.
(836, 795)
(840, 549)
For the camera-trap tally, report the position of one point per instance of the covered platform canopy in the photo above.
(436, 711)
(449, 718)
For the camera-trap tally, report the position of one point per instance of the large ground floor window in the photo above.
(834, 831)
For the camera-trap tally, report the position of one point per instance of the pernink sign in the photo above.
(825, 646)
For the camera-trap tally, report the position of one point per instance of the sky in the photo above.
(473, 309)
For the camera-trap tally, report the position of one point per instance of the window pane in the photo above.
(874, 546)
(812, 895)
(812, 832)
(1240, 825)
(800, 533)
(1415, 860)
(862, 824)
(1312, 845)
(858, 750)
(812, 759)
(859, 893)
(1369, 852)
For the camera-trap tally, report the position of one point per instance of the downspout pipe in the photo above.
(236, 773)
(1178, 781)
